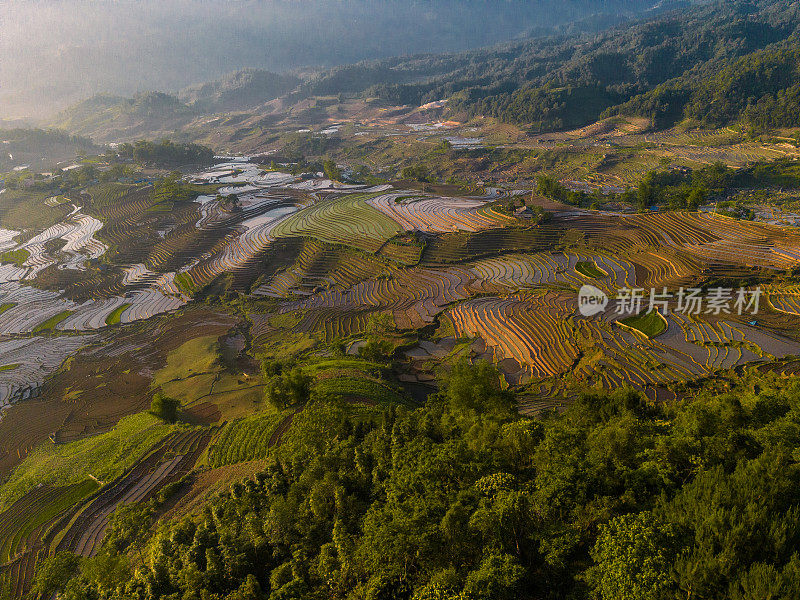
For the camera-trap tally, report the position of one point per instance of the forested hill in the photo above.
(716, 63)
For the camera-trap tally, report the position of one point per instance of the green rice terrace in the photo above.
(162, 339)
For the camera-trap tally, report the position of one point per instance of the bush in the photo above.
(288, 388)
(164, 407)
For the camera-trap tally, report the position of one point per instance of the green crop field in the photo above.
(589, 269)
(347, 220)
(116, 314)
(52, 322)
(16, 257)
(359, 389)
(244, 439)
(26, 209)
(650, 323)
(103, 457)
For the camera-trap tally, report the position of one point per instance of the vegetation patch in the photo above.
(245, 439)
(347, 220)
(52, 322)
(589, 269)
(650, 323)
(17, 257)
(359, 389)
(103, 457)
(197, 356)
(116, 314)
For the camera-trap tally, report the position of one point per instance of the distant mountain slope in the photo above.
(238, 90)
(40, 149)
(58, 52)
(106, 117)
(115, 118)
(709, 62)
(717, 63)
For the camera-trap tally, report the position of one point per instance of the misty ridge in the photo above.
(56, 53)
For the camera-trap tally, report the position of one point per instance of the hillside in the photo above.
(515, 323)
(114, 118)
(239, 90)
(738, 58)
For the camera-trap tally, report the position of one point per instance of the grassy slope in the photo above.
(346, 220)
(651, 323)
(589, 270)
(193, 373)
(104, 456)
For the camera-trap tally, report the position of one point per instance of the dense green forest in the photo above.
(617, 498)
(717, 63)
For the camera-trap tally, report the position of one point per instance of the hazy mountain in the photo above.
(117, 116)
(56, 52)
(238, 90)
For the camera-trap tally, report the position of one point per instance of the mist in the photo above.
(56, 52)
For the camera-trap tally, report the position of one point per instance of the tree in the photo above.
(498, 578)
(633, 556)
(288, 388)
(476, 387)
(164, 407)
(418, 172)
(696, 197)
(331, 170)
(54, 572)
(376, 349)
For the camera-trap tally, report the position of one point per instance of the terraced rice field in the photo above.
(347, 220)
(173, 458)
(437, 214)
(318, 269)
(531, 330)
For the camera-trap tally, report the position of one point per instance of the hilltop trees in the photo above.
(331, 170)
(165, 153)
(288, 387)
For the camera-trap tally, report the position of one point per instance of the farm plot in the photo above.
(437, 214)
(785, 299)
(32, 310)
(346, 219)
(25, 529)
(21, 525)
(525, 271)
(240, 250)
(80, 245)
(104, 457)
(543, 335)
(246, 439)
(27, 362)
(321, 265)
(412, 296)
(117, 201)
(532, 330)
(359, 389)
(27, 209)
(466, 246)
(170, 460)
